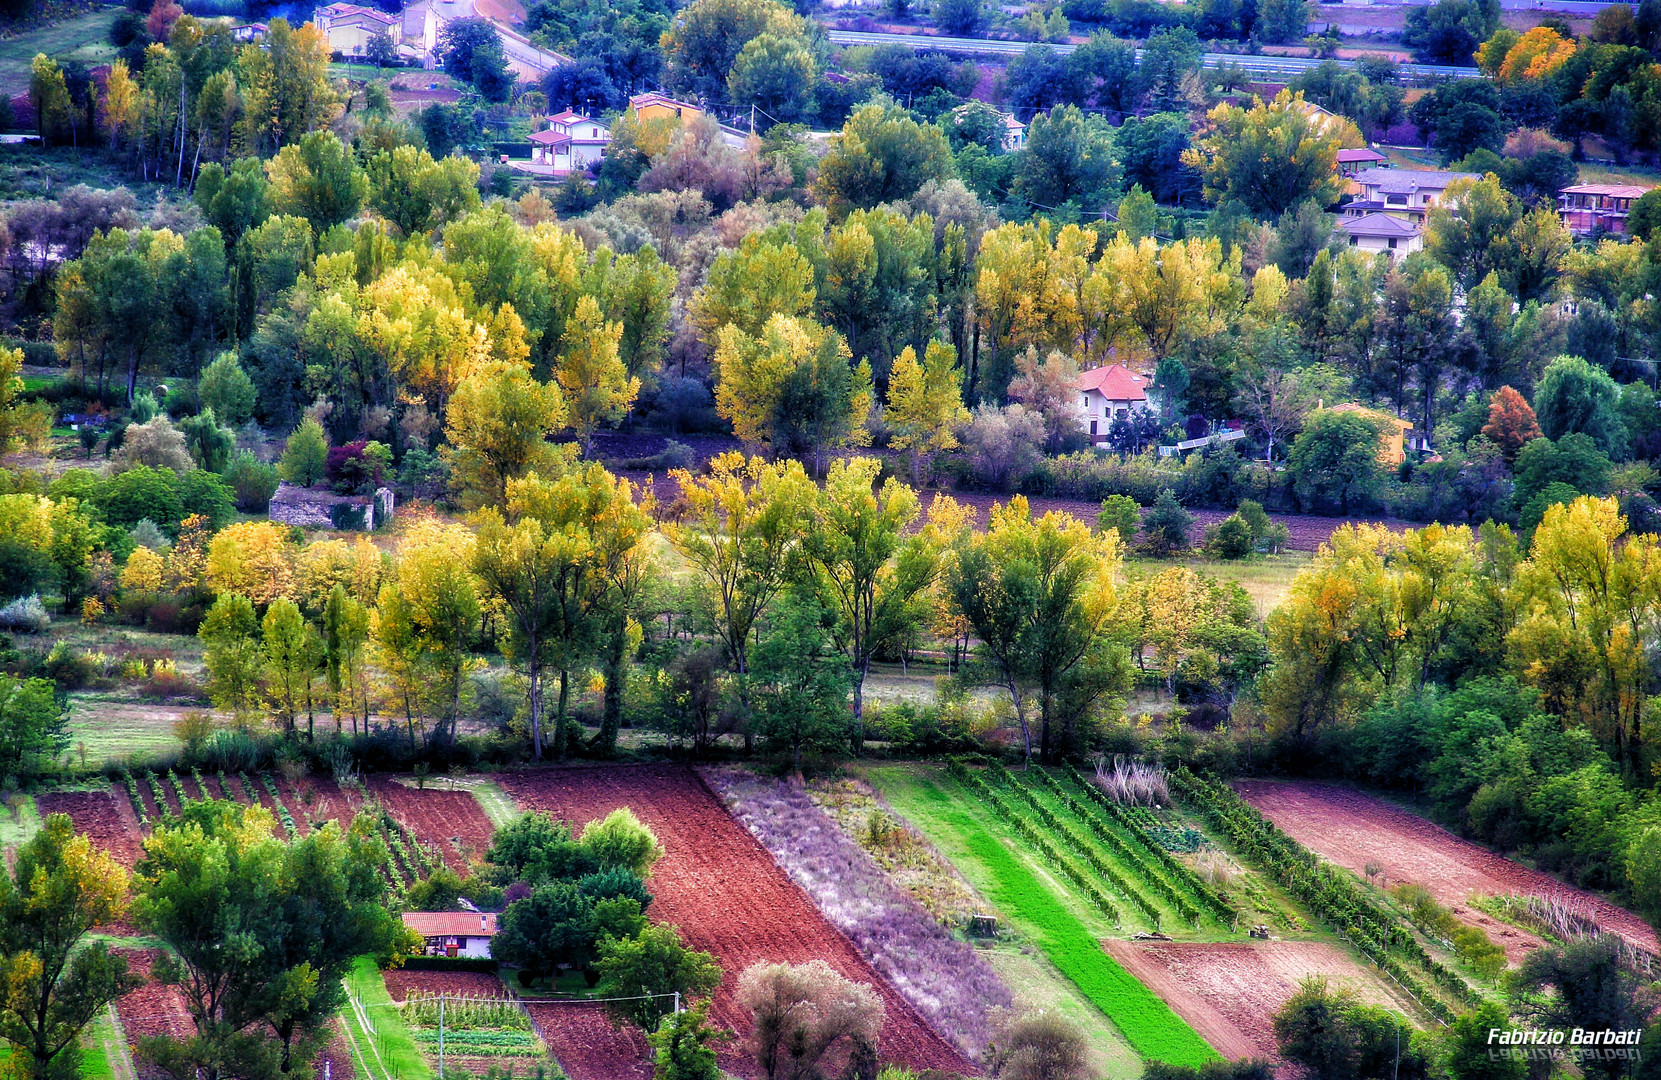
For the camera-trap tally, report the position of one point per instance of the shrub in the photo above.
(1230, 538)
(306, 454)
(1120, 512)
(621, 840)
(1165, 528)
(157, 444)
(26, 614)
(226, 389)
(253, 481)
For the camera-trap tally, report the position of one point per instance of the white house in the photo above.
(1401, 193)
(1110, 393)
(1377, 232)
(454, 933)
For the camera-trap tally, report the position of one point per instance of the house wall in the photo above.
(352, 39)
(1372, 245)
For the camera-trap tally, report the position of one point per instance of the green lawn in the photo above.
(85, 38)
(19, 822)
(1037, 904)
(387, 1050)
(1266, 578)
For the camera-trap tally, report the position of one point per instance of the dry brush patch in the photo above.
(942, 977)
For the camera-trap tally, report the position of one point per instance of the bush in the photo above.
(1097, 476)
(26, 614)
(1165, 528)
(1230, 538)
(252, 480)
(1120, 512)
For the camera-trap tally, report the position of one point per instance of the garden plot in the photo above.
(1352, 830)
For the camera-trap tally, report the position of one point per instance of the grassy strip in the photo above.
(496, 803)
(1148, 1024)
(390, 1045)
(98, 1040)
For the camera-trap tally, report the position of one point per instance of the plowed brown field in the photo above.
(1353, 829)
(585, 1044)
(727, 896)
(1230, 992)
(451, 821)
(106, 819)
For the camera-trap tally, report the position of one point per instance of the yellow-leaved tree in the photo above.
(253, 559)
(499, 421)
(792, 386)
(925, 406)
(598, 388)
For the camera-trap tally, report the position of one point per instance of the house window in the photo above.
(1086, 401)
(1392, 243)
(1395, 200)
(1354, 240)
(1092, 427)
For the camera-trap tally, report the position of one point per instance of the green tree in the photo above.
(747, 287)
(1165, 529)
(232, 654)
(681, 1047)
(1464, 1050)
(1334, 461)
(418, 194)
(233, 201)
(435, 580)
(598, 389)
(1335, 1037)
(882, 155)
(873, 569)
(925, 406)
(226, 389)
(304, 454)
(1282, 21)
(800, 688)
(260, 934)
(1067, 159)
(1120, 513)
(317, 179)
(32, 723)
(56, 982)
(1594, 990)
(293, 653)
(1269, 158)
(776, 74)
(1038, 595)
(707, 37)
(345, 632)
(1572, 396)
(649, 968)
(551, 928)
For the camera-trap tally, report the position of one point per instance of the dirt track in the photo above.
(1230, 992)
(723, 890)
(1353, 829)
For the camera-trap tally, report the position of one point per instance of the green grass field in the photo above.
(1036, 903)
(388, 1051)
(85, 38)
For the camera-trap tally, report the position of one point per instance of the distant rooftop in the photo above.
(1407, 181)
(1376, 224)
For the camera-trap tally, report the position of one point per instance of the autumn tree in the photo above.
(433, 570)
(253, 559)
(498, 427)
(1271, 157)
(598, 388)
(1039, 595)
(747, 287)
(1511, 423)
(345, 632)
(791, 382)
(925, 406)
(741, 531)
(56, 981)
(872, 568)
(802, 1013)
(882, 155)
(317, 179)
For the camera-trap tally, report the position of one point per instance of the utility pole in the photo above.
(441, 1035)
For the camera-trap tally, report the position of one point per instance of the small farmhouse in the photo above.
(1377, 232)
(454, 933)
(320, 508)
(1110, 393)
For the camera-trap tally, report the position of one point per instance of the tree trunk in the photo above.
(536, 707)
(617, 662)
(860, 671)
(1021, 716)
(560, 737)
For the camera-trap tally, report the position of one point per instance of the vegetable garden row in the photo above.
(1331, 893)
(1148, 1024)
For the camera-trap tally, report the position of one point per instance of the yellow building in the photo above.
(1392, 444)
(652, 106)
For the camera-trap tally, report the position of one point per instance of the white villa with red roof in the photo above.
(453, 933)
(570, 142)
(1111, 392)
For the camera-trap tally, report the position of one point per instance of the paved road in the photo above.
(1255, 65)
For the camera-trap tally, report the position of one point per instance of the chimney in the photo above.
(484, 922)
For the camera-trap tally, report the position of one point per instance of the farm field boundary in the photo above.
(1149, 1025)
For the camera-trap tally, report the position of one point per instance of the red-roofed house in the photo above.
(454, 933)
(1110, 393)
(1590, 208)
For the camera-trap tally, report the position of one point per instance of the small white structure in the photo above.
(1015, 133)
(454, 933)
(1110, 393)
(1377, 232)
(571, 141)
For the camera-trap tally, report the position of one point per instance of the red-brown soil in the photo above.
(585, 1044)
(1353, 829)
(472, 983)
(150, 1010)
(450, 821)
(105, 818)
(727, 896)
(1230, 992)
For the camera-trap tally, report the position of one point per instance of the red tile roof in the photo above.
(550, 138)
(1618, 191)
(450, 923)
(1115, 382)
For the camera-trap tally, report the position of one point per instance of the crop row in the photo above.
(1330, 893)
(137, 801)
(1052, 854)
(422, 1008)
(282, 810)
(1079, 844)
(1184, 907)
(1147, 1023)
(1132, 823)
(178, 787)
